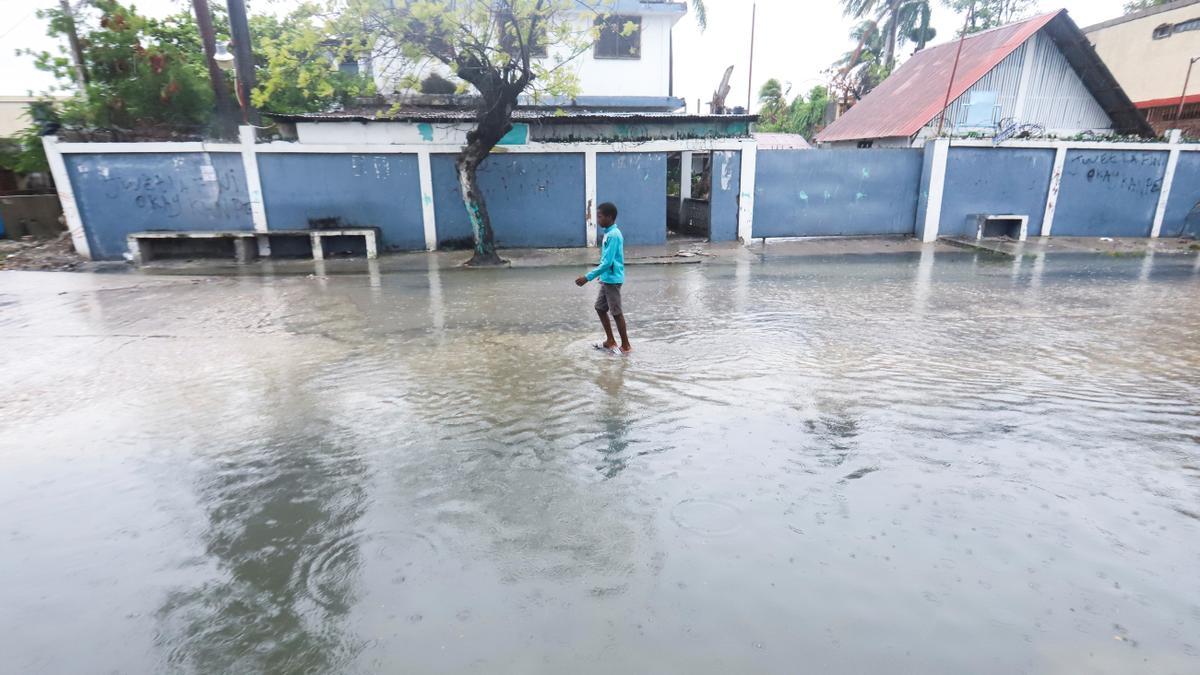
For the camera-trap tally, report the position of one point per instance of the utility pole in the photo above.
(1183, 97)
(81, 76)
(226, 115)
(750, 75)
(243, 58)
(954, 71)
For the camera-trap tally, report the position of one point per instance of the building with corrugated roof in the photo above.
(1036, 77)
(1150, 52)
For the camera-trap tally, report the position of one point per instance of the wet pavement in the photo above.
(928, 461)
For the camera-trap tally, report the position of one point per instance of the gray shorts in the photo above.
(609, 299)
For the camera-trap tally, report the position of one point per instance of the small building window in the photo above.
(1193, 24)
(620, 37)
(1163, 31)
(865, 145)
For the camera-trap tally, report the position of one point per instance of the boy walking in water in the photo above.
(611, 272)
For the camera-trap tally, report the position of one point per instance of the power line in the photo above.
(17, 24)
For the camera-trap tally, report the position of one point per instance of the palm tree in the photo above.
(701, 13)
(890, 15)
(914, 24)
(773, 98)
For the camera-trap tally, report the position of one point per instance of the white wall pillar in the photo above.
(428, 215)
(1060, 162)
(66, 196)
(1173, 137)
(589, 193)
(685, 175)
(258, 213)
(253, 183)
(937, 189)
(745, 228)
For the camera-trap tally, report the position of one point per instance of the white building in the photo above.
(633, 70)
(624, 69)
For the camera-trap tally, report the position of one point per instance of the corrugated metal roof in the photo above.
(915, 93)
(521, 115)
(772, 141)
(906, 101)
(1149, 11)
(1169, 101)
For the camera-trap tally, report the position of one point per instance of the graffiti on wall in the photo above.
(371, 166)
(1124, 171)
(174, 194)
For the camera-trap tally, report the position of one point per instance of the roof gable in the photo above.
(911, 96)
(908, 100)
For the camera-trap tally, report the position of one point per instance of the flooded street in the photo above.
(917, 463)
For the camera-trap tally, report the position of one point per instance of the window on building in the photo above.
(1194, 24)
(1163, 31)
(865, 145)
(620, 37)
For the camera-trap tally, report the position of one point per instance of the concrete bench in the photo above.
(244, 248)
(369, 234)
(248, 245)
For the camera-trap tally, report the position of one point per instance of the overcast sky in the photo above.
(795, 41)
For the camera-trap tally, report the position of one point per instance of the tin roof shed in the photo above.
(913, 96)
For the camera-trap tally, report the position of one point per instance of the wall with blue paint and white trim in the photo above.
(534, 200)
(303, 191)
(996, 181)
(544, 194)
(1182, 215)
(1112, 193)
(120, 193)
(637, 183)
(803, 193)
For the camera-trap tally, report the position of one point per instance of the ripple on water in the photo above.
(326, 571)
(707, 517)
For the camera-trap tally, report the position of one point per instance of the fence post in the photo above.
(745, 228)
(589, 194)
(258, 213)
(66, 196)
(937, 189)
(428, 215)
(1060, 163)
(1174, 137)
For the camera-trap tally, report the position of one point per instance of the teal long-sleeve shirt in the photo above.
(611, 269)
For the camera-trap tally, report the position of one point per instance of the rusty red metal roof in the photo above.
(914, 94)
(1169, 101)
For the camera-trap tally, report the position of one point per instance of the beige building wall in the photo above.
(13, 117)
(1147, 68)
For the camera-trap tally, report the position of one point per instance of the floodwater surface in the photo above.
(930, 463)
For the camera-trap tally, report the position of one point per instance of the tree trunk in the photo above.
(893, 33)
(472, 194)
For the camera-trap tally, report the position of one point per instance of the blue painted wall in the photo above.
(1109, 193)
(122, 193)
(535, 200)
(998, 181)
(1183, 205)
(724, 201)
(382, 191)
(637, 183)
(836, 192)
